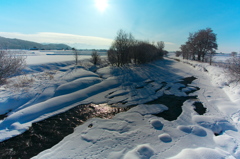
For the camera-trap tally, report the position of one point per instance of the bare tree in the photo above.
(125, 49)
(10, 64)
(122, 44)
(160, 45)
(186, 51)
(200, 44)
(206, 43)
(211, 54)
(120, 48)
(76, 55)
(131, 51)
(112, 56)
(96, 59)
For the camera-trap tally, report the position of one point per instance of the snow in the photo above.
(51, 88)
(144, 151)
(216, 124)
(201, 153)
(218, 75)
(48, 56)
(165, 138)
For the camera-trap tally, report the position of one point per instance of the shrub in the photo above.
(233, 53)
(76, 55)
(96, 59)
(233, 68)
(147, 52)
(10, 64)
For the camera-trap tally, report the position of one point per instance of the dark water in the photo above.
(188, 80)
(49, 132)
(199, 108)
(174, 103)
(163, 85)
(3, 116)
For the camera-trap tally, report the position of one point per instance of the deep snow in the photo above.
(52, 88)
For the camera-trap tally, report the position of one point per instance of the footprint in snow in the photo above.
(186, 129)
(144, 151)
(166, 138)
(196, 130)
(157, 124)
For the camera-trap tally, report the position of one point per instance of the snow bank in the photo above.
(47, 108)
(219, 78)
(76, 85)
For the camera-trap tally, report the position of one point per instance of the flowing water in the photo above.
(175, 103)
(47, 133)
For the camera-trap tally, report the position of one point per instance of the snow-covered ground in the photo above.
(52, 88)
(221, 57)
(48, 56)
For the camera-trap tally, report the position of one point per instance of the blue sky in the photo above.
(82, 24)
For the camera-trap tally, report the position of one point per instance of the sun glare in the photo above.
(101, 5)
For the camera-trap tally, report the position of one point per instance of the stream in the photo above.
(47, 133)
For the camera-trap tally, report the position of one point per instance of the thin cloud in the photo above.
(77, 41)
(70, 39)
(169, 43)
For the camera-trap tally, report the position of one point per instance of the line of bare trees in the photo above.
(201, 46)
(126, 49)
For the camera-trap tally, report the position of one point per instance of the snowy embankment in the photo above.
(219, 76)
(137, 133)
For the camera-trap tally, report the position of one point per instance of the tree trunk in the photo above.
(199, 57)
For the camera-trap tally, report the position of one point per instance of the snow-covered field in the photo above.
(51, 88)
(40, 57)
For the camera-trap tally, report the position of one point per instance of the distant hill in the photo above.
(7, 43)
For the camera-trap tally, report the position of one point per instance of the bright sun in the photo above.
(101, 5)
